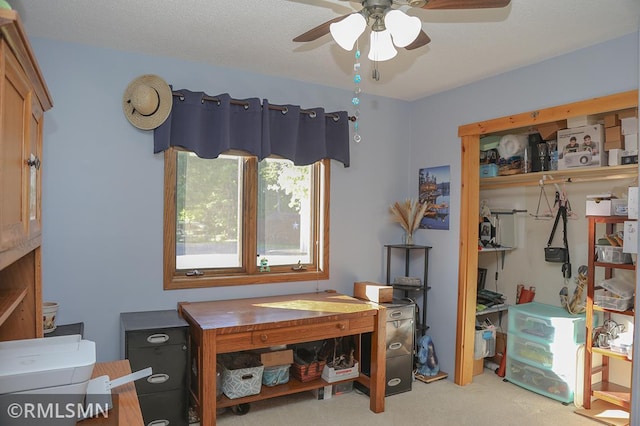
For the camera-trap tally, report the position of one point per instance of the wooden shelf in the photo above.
(266, 392)
(9, 301)
(629, 266)
(609, 353)
(615, 394)
(601, 309)
(580, 174)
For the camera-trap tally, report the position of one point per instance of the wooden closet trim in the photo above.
(470, 201)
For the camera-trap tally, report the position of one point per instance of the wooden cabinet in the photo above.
(619, 395)
(23, 99)
(471, 183)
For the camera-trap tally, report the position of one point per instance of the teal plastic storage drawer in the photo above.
(539, 380)
(551, 324)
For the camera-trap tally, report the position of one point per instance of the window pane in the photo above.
(208, 230)
(285, 225)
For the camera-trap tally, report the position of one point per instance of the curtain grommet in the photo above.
(284, 110)
(312, 114)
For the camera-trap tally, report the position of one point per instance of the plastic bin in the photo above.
(608, 300)
(610, 254)
(275, 375)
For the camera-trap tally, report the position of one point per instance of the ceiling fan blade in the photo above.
(319, 31)
(465, 4)
(422, 40)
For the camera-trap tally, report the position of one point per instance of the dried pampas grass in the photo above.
(408, 215)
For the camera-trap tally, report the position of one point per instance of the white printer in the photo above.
(50, 365)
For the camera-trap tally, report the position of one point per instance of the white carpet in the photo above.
(487, 401)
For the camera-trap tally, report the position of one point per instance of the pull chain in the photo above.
(357, 78)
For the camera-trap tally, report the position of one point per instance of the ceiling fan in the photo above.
(389, 26)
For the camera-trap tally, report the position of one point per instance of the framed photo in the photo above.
(487, 232)
(434, 191)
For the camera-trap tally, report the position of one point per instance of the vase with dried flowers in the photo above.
(408, 215)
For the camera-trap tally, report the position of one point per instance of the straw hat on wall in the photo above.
(147, 101)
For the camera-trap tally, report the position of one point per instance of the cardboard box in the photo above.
(331, 375)
(615, 156)
(581, 147)
(614, 144)
(581, 121)
(629, 126)
(627, 113)
(600, 208)
(613, 134)
(374, 292)
(632, 202)
(275, 358)
(322, 393)
(631, 142)
(478, 366)
(549, 131)
(611, 120)
(629, 157)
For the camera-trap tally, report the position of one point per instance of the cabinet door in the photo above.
(15, 106)
(34, 161)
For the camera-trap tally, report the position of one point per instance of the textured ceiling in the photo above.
(256, 35)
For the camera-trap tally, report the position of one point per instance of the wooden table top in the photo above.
(251, 314)
(126, 408)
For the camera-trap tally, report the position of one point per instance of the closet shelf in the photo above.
(615, 394)
(580, 174)
(9, 301)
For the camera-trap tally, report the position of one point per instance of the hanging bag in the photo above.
(559, 254)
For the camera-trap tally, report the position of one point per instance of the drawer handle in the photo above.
(159, 423)
(395, 345)
(156, 379)
(341, 326)
(264, 337)
(394, 382)
(395, 314)
(158, 338)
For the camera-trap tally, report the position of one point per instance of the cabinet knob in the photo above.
(264, 337)
(341, 326)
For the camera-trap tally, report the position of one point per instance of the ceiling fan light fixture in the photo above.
(404, 29)
(347, 31)
(381, 46)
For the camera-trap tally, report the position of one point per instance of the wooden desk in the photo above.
(126, 408)
(234, 325)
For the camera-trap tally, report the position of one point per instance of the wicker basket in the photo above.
(307, 372)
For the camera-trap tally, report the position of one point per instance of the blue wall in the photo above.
(102, 198)
(595, 71)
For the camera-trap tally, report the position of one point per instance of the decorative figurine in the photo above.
(264, 265)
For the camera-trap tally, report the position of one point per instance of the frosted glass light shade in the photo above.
(347, 31)
(381, 46)
(404, 29)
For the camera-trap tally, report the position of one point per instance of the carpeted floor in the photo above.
(487, 401)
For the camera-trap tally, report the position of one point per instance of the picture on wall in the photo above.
(434, 190)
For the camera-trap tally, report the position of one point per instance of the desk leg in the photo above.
(208, 404)
(378, 362)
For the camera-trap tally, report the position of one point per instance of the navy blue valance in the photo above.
(210, 125)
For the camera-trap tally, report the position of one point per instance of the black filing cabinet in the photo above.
(400, 328)
(159, 339)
